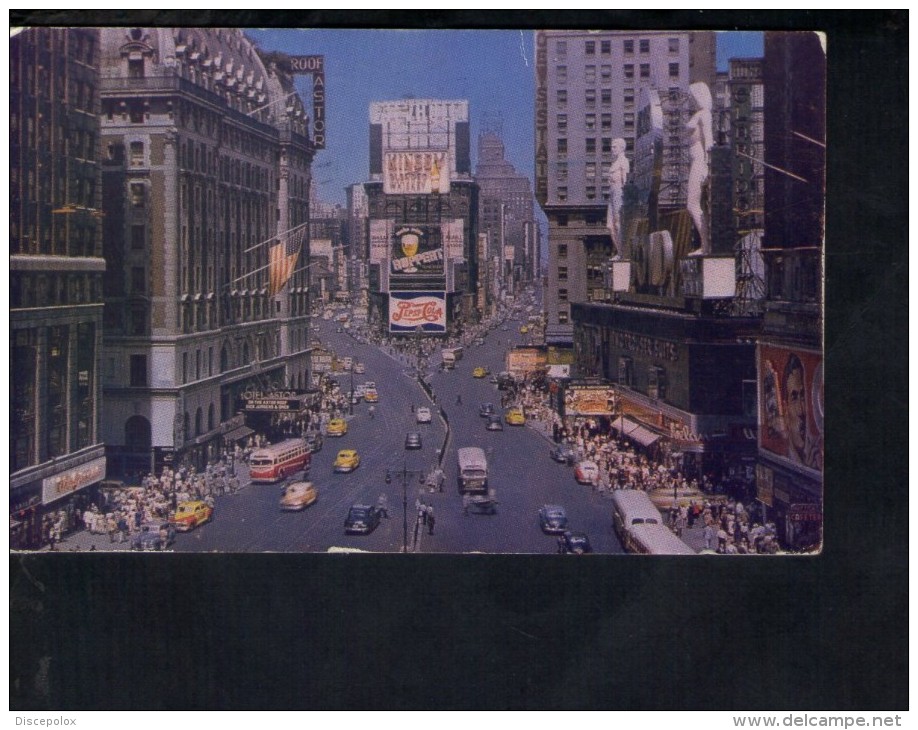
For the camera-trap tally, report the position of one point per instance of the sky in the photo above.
(492, 69)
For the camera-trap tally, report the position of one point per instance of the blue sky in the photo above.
(490, 68)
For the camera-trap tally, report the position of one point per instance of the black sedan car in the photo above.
(362, 519)
(413, 441)
(574, 543)
(486, 409)
(563, 454)
(494, 423)
(553, 519)
(157, 535)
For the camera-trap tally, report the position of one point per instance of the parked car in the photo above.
(157, 535)
(337, 427)
(189, 515)
(486, 409)
(586, 472)
(574, 543)
(494, 423)
(422, 414)
(552, 519)
(413, 440)
(362, 519)
(314, 441)
(346, 461)
(298, 495)
(563, 454)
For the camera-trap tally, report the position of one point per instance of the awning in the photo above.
(634, 430)
(238, 433)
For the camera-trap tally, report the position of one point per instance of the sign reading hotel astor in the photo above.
(290, 401)
(417, 250)
(410, 310)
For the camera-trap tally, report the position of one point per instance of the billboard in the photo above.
(791, 405)
(417, 250)
(589, 400)
(454, 239)
(522, 361)
(409, 310)
(421, 172)
(380, 232)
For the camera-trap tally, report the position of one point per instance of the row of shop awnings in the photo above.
(237, 433)
(633, 430)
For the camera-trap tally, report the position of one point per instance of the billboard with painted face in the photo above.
(409, 310)
(417, 250)
(791, 404)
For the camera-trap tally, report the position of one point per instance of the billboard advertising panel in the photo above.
(522, 361)
(791, 405)
(417, 250)
(380, 233)
(407, 173)
(409, 310)
(589, 400)
(454, 239)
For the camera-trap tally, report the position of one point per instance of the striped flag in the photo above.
(283, 257)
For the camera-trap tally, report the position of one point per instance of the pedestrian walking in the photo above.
(430, 524)
(382, 505)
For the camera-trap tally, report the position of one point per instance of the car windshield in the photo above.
(555, 514)
(260, 462)
(358, 513)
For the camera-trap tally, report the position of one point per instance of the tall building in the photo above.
(328, 253)
(589, 88)
(789, 473)
(358, 246)
(423, 217)
(56, 268)
(206, 180)
(506, 211)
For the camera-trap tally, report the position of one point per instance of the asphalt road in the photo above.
(521, 472)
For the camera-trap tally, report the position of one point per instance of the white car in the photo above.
(422, 414)
(586, 472)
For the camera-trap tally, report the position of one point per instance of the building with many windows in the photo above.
(206, 177)
(56, 268)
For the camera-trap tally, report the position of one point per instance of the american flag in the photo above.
(283, 257)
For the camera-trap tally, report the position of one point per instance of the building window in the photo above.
(561, 74)
(562, 273)
(591, 192)
(138, 237)
(605, 47)
(58, 385)
(590, 98)
(138, 195)
(674, 45)
(562, 193)
(606, 73)
(607, 97)
(591, 121)
(561, 48)
(562, 145)
(184, 367)
(136, 154)
(590, 48)
(591, 170)
(562, 247)
(629, 71)
(138, 371)
(589, 74)
(562, 97)
(656, 382)
(629, 97)
(629, 120)
(629, 144)
(645, 70)
(628, 46)
(625, 371)
(562, 171)
(590, 145)
(674, 70)
(562, 295)
(136, 112)
(644, 45)
(606, 122)
(563, 316)
(562, 124)
(606, 145)
(138, 280)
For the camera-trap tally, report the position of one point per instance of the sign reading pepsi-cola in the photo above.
(410, 310)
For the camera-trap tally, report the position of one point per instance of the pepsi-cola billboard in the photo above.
(410, 310)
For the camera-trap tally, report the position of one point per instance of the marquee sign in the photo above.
(410, 310)
(67, 482)
(417, 250)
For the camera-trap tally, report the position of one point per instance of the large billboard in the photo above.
(409, 310)
(589, 400)
(407, 173)
(417, 250)
(522, 361)
(791, 404)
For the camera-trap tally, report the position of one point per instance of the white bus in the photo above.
(451, 355)
(639, 525)
(278, 461)
(473, 470)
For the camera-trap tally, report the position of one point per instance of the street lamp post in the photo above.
(405, 474)
(351, 400)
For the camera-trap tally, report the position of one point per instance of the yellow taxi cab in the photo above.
(480, 372)
(371, 396)
(337, 427)
(524, 329)
(189, 515)
(298, 495)
(515, 417)
(347, 460)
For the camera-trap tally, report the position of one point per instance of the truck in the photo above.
(450, 356)
(473, 470)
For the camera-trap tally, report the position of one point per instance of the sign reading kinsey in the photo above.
(410, 310)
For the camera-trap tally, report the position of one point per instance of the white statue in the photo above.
(618, 176)
(700, 143)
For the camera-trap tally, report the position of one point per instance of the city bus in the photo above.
(473, 470)
(451, 355)
(278, 461)
(639, 525)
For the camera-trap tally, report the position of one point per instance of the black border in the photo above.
(495, 632)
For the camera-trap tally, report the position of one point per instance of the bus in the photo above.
(639, 525)
(473, 470)
(278, 461)
(451, 355)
